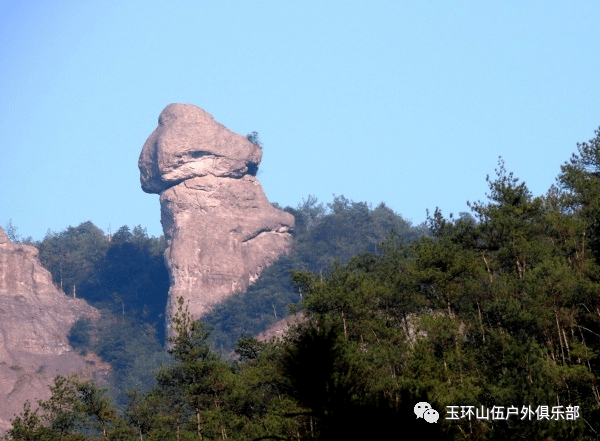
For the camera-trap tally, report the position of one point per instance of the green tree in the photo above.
(254, 139)
(249, 348)
(11, 232)
(579, 189)
(63, 411)
(140, 413)
(97, 405)
(199, 379)
(26, 427)
(72, 256)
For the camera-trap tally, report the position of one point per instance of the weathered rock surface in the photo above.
(280, 328)
(35, 319)
(221, 230)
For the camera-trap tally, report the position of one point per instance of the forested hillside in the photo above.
(323, 235)
(124, 275)
(496, 315)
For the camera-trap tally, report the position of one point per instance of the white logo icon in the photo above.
(431, 416)
(425, 411)
(420, 408)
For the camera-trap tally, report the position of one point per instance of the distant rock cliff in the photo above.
(221, 230)
(35, 319)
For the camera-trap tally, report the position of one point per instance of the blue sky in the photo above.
(405, 102)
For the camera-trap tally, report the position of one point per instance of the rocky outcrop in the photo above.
(280, 328)
(35, 319)
(221, 230)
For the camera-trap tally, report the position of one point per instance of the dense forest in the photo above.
(491, 317)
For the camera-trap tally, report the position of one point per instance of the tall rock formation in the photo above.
(35, 319)
(221, 230)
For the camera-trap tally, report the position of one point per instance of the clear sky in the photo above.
(405, 102)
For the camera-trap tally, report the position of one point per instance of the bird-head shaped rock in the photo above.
(189, 143)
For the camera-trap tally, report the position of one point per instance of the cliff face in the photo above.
(221, 230)
(35, 319)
